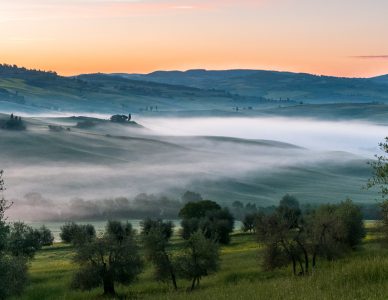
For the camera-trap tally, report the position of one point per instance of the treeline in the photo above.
(7, 69)
(13, 123)
(241, 211)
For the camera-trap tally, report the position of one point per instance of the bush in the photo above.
(13, 275)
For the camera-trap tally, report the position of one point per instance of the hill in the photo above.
(190, 93)
(36, 91)
(115, 161)
(275, 85)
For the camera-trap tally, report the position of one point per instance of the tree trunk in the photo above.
(314, 259)
(193, 283)
(172, 273)
(293, 265)
(301, 267)
(306, 256)
(173, 278)
(109, 286)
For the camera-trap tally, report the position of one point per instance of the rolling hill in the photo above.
(275, 85)
(119, 161)
(194, 93)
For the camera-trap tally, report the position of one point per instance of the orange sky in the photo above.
(345, 38)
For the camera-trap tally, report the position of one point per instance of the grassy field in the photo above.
(361, 275)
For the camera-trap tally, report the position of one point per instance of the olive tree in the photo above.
(156, 236)
(292, 237)
(13, 269)
(215, 222)
(379, 179)
(109, 259)
(200, 258)
(77, 234)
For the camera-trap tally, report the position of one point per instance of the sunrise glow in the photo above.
(342, 38)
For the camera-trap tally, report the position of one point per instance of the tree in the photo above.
(216, 223)
(156, 236)
(109, 259)
(23, 240)
(13, 269)
(200, 258)
(77, 234)
(379, 179)
(352, 223)
(119, 231)
(198, 209)
(46, 236)
(249, 222)
(13, 275)
(167, 227)
(291, 237)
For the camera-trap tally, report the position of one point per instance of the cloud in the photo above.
(384, 56)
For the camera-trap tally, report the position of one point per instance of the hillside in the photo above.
(191, 93)
(112, 161)
(41, 92)
(274, 85)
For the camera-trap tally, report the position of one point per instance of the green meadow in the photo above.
(361, 275)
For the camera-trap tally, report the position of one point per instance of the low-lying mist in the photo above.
(350, 136)
(99, 172)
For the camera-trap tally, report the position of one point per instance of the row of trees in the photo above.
(114, 257)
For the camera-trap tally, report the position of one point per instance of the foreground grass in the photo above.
(362, 275)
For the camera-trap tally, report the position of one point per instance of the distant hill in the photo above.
(190, 93)
(380, 79)
(33, 90)
(276, 85)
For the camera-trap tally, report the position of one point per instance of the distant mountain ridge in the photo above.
(276, 85)
(193, 91)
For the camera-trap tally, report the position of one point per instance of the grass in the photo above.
(361, 275)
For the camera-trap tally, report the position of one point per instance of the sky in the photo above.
(330, 37)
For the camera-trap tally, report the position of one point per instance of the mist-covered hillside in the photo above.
(98, 171)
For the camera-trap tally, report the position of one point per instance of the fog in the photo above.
(99, 173)
(350, 136)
